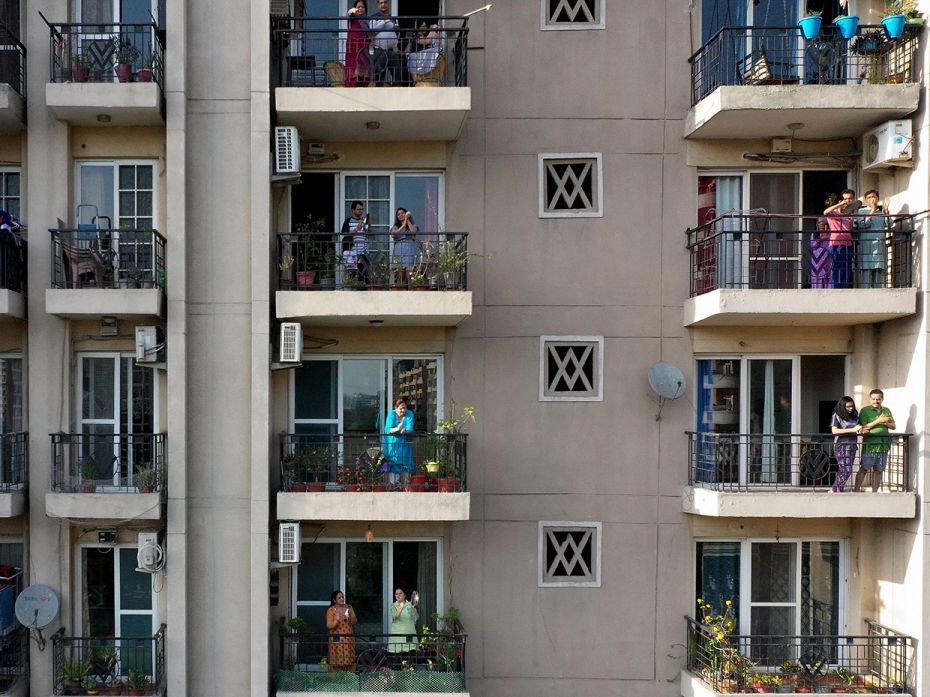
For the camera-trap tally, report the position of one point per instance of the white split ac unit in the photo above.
(287, 150)
(889, 145)
(146, 345)
(289, 543)
(292, 342)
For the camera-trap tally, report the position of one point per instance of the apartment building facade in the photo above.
(204, 338)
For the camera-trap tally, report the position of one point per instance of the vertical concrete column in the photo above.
(863, 363)
(49, 366)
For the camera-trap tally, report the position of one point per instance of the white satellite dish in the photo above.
(36, 606)
(667, 381)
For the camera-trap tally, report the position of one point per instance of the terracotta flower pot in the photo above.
(316, 487)
(145, 74)
(418, 479)
(298, 487)
(353, 487)
(80, 73)
(449, 485)
(305, 279)
(379, 487)
(413, 488)
(124, 72)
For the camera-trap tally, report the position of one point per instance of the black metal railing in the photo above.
(764, 250)
(13, 254)
(14, 657)
(878, 661)
(11, 584)
(424, 662)
(781, 56)
(108, 258)
(337, 261)
(780, 461)
(108, 463)
(112, 52)
(14, 461)
(132, 662)
(329, 52)
(373, 461)
(12, 61)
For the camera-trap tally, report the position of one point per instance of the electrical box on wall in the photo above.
(781, 145)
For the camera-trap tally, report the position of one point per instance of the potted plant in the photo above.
(310, 257)
(124, 55)
(845, 680)
(80, 67)
(90, 686)
(847, 25)
(138, 681)
(894, 19)
(869, 41)
(289, 466)
(449, 263)
(451, 428)
(146, 71)
(146, 479)
(298, 625)
(88, 470)
(116, 686)
(418, 280)
(789, 672)
(315, 465)
(286, 266)
(73, 672)
(810, 25)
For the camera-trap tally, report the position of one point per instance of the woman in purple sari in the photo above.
(821, 261)
(357, 41)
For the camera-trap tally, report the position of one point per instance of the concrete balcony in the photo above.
(344, 280)
(13, 86)
(107, 272)
(12, 111)
(333, 88)
(355, 477)
(109, 75)
(13, 254)
(777, 270)
(738, 475)
(14, 473)
(107, 476)
(751, 82)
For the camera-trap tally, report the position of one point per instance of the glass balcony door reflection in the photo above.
(770, 420)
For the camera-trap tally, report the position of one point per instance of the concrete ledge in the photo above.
(441, 308)
(126, 103)
(373, 505)
(282, 693)
(404, 113)
(12, 504)
(693, 686)
(798, 504)
(827, 111)
(115, 506)
(802, 307)
(12, 305)
(12, 110)
(128, 303)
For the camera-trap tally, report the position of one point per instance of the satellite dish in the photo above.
(37, 606)
(667, 381)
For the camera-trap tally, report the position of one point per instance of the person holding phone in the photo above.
(405, 244)
(357, 226)
(404, 616)
(340, 621)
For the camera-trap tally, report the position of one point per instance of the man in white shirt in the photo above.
(385, 63)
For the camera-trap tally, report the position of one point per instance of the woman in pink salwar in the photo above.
(357, 41)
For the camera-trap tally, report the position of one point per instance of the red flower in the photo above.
(458, 653)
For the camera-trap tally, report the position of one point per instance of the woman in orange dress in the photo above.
(340, 621)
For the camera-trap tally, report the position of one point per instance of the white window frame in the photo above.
(543, 157)
(115, 164)
(388, 571)
(116, 17)
(544, 24)
(745, 576)
(341, 197)
(18, 171)
(599, 367)
(79, 595)
(389, 396)
(541, 581)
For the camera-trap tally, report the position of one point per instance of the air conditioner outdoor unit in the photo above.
(889, 145)
(292, 342)
(287, 150)
(289, 543)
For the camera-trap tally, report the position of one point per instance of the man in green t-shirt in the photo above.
(876, 421)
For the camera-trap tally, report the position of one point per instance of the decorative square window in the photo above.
(571, 368)
(569, 554)
(572, 14)
(570, 185)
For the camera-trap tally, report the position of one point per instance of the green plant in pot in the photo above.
(146, 478)
(124, 55)
(90, 686)
(138, 681)
(88, 471)
(146, 72)
(73, 672)
(80, 67)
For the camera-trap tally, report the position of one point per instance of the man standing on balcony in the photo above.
(876, 421)
(385, 65)
(840, 224)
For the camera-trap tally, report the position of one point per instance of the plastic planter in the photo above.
(894, 25)
(847, 25)
(810, 26)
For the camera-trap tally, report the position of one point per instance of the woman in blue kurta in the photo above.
(397, 446)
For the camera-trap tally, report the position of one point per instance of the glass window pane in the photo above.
(99, 592)
(97, 388)
(379, 188)
(96, 190)
(419, 194)
(144, 174)
(11, 553)
(316, 390)
(416, 379)
(768, 625)
(356, 189)
(820, 588)
(11, 184)
(11, 395)
(127, 177)
(364, 404)
(127, 203)
(318, 573)
(365, 585)
(717, 575)
(135, 587)
(415, 570)
(774, 572)
(136, 654)
(144, 201)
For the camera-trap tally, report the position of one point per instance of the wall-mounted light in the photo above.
(103, 118)
(369, 535)
(372, 125)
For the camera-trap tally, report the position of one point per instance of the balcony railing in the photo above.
(764, 250)
(427, 662)
(14, 461)
(781, 56)
(879, 661)
(108, 463)
(108, 258)
(326, 52)
(14, 657)
(337, 261)
(373, 462)
(782, 461)
(111, 52)
(12, 61)
(109, 661)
